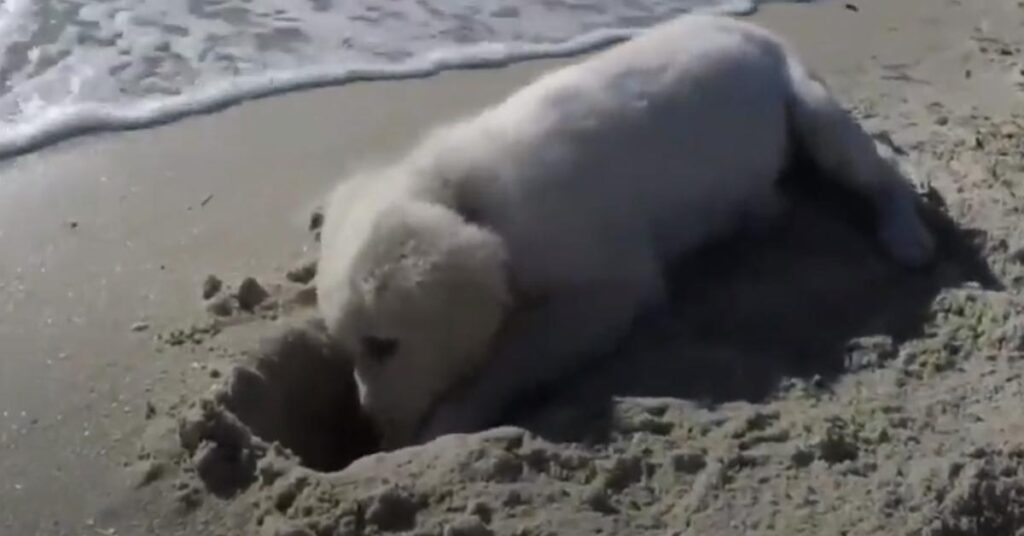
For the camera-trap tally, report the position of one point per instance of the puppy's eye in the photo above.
(379, 348)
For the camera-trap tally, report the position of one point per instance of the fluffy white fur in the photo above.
(510, 245)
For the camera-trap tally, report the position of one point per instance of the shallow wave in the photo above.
(70, 67)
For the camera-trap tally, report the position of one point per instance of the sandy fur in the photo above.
(507, 247)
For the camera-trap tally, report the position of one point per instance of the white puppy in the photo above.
(511, 245)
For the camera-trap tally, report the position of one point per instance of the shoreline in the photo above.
(153, 113)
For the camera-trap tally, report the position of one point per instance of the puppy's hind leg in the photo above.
(847, 154)
(764, 210)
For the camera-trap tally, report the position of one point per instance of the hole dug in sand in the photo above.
(293, 391)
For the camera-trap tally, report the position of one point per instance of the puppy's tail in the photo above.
(831, 137)
(845, 153)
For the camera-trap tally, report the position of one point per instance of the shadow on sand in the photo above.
(743, 314)
(752, 310)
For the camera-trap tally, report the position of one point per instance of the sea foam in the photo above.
(68, 67)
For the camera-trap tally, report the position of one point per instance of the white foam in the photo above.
(70, 66)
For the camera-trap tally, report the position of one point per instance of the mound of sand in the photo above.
(291, 392)
(771, 395)
(798, 383)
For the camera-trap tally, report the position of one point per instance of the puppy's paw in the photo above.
(453, 417)
(908, 241)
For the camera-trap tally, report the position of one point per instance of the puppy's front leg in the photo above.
(542, 345)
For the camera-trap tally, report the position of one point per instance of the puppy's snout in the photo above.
(365, 395)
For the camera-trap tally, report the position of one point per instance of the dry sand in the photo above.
(799, 385)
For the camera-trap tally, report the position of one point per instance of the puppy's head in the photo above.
(425, 296)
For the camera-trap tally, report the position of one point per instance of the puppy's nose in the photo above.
(363, 393)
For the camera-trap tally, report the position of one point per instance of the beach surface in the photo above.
(802, 384)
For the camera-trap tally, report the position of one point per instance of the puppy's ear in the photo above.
(470, 200)
(483, 255)
(468, 204)
(465, 190)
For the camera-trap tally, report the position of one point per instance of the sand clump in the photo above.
(302, 273)
(987, 495)
(250, 294)
(211, 286)
(290, 392)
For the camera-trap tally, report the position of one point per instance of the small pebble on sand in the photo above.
(221, 306)
(302, 273)
(480, 509)
(392, 510)
(467, 526)
(251, 293)
(140, 326)
(211, 286)
(596, 497)
(316, 220)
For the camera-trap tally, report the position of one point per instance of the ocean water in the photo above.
(71, 66)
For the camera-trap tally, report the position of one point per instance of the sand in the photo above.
(800, 383)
